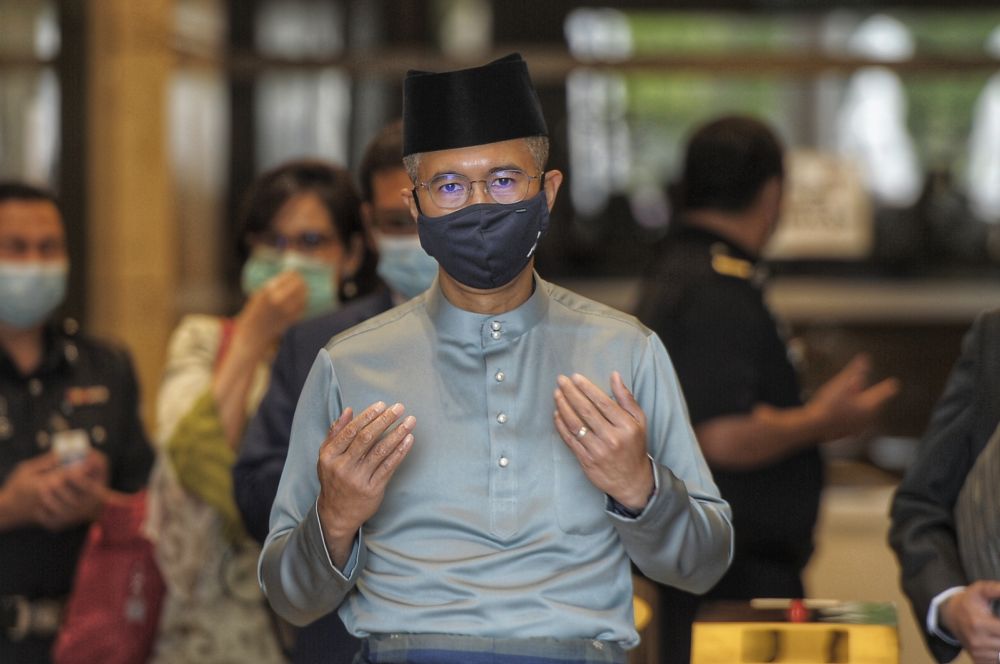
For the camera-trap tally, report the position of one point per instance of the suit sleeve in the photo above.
(922, 530)
(265, 443)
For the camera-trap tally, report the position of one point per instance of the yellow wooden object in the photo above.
(793, 643)
(642, 613)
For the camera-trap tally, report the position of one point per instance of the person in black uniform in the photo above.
(69, 426)
(701, 295)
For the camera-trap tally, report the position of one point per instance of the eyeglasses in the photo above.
(305, 242)
(453, 190)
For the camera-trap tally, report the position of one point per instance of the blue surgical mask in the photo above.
(403, 264)
(488, 244)
(265, 263)
(31, 291)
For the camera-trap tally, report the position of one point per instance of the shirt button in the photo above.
(34, 387)
(99, 434)
(496, 326)
(495, 334)
(504, 462)
(500, 376)
(502, 417)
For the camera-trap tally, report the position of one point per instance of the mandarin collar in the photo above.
(467, 326)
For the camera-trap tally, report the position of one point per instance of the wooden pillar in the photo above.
(131, 238)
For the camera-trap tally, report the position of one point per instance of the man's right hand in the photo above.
(356, 461)
(968, 616)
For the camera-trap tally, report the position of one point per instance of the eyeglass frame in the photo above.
(300, 242)
(418, 185)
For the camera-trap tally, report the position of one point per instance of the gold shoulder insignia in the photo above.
(729, 266)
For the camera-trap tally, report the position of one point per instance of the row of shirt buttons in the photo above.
(496, 331)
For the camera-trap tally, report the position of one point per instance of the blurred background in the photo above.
(150, 119)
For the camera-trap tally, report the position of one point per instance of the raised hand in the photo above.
(845, 404)
(607, 436)
(356, 461)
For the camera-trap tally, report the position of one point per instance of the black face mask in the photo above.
(488, 244)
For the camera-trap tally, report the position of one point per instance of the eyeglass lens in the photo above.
(452, 190)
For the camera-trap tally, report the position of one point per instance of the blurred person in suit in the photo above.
(954, 606)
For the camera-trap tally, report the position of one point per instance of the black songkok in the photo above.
(457, 109)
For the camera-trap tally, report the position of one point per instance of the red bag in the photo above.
(114, 607)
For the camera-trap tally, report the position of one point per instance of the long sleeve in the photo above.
(130, 471)
(295, 570)
(684, 537)
(922, 532)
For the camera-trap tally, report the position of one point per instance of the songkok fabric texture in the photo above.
(458, 109)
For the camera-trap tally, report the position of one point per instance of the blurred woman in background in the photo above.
(303, 233)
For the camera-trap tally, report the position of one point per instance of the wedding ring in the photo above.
(582, 432)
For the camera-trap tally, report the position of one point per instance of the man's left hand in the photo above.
(608, 437)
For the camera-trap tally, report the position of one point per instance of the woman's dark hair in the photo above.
(726, 164)
(335, 189)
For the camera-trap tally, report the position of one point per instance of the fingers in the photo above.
(339, 424)
(876, 395)
(339, 438)
(583, 407)
(625, 398)
(364, 438)
(987, 589)
(287, 284)
(42, 463)
(397, 446)
(57, 496)
(569, 434)
(591, 406)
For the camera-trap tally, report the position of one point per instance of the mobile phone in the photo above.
(70, 445)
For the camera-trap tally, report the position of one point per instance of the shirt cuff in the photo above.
(352, 561)
(934, 626)
(615, 507)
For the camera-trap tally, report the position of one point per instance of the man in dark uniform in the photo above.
(701, 296)
(69, 426)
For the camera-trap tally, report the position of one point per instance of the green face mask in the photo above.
(265, 263)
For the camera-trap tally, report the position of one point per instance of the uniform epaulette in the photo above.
(730, 266)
